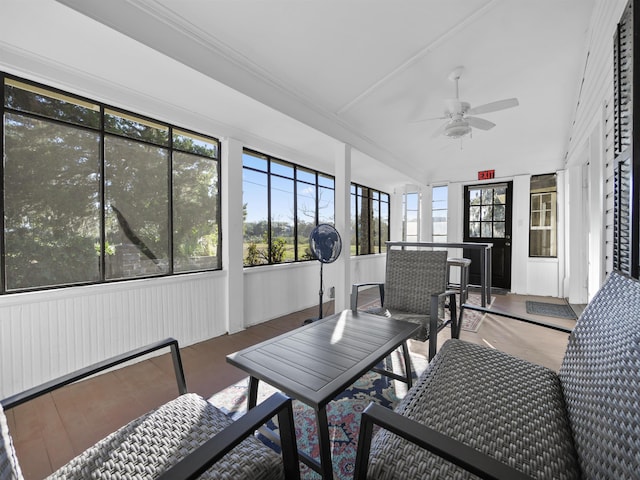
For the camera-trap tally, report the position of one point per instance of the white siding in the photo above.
(594, 117)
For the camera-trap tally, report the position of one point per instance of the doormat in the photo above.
(559, 310)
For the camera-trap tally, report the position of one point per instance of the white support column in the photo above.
(343, 222)
(232, 228)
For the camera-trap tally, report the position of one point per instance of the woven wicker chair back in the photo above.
(600, 377)
(412, 276)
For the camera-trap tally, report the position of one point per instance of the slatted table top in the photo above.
(315, 362)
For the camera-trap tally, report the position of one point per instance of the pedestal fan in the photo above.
(325, 245)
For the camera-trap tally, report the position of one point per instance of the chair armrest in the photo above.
(446, 447)
(30, 394)
(355, 288)
(198, 461)
(520, 318)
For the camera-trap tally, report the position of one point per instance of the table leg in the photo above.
(252, 399)
(407, 363)
(324, 443)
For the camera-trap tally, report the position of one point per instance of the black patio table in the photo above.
(315, 362)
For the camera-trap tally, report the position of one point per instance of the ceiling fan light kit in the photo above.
(459, 124)
(457, 129)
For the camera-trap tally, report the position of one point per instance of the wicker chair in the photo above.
(414, 290)
(478, 411)
(185, 438)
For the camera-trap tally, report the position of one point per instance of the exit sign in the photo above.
(486, 174)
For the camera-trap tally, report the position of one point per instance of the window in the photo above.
(543, 225)
(370, 220)
(282, 203)
(411, 217)
(439, 213)
(487, 211)
(94, 194)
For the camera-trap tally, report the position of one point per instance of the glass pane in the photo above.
(352, 233)
(196, 233)
(190, 142)
(326, 205)
(487, 231)
(306, 218)
(411, 201)
(474, 214)
(375, 227)
(255, 201)
(439, 227)
(439, 196)
(51, 201)
(500, 195)
(29, 98)
(498, 212)
(326, 181)
(535, 219)
(254, 161)
(487, 214)
(546, 219)
(136, 128)
(535, 202)
(364, 226)
(384, 225)
(475, 197)
(304, 175)
(474, 229)
(137, 208)
(487, 196)
(540, 244)
(498, 229)
(284, 169)
(282, 215)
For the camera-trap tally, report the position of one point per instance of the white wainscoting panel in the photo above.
(46, 334)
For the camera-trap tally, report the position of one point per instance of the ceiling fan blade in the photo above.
(494, 106)
(480, 123)
(429, 119)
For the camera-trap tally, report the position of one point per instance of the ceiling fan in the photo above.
(459, 114)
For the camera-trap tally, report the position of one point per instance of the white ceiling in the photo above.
(356, 71)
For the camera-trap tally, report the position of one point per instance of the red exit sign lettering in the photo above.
(486, 174)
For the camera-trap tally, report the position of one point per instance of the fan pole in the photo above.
(321, 293)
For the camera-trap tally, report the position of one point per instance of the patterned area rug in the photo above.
(558, 310)
(343, 413)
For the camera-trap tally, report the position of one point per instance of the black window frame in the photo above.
(359, 194)
(102, 132)
(267, 255)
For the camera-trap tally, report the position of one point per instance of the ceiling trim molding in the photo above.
(28, 65)
(213, 59)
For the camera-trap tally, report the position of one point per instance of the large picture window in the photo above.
(282, 202)
(95, 194)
